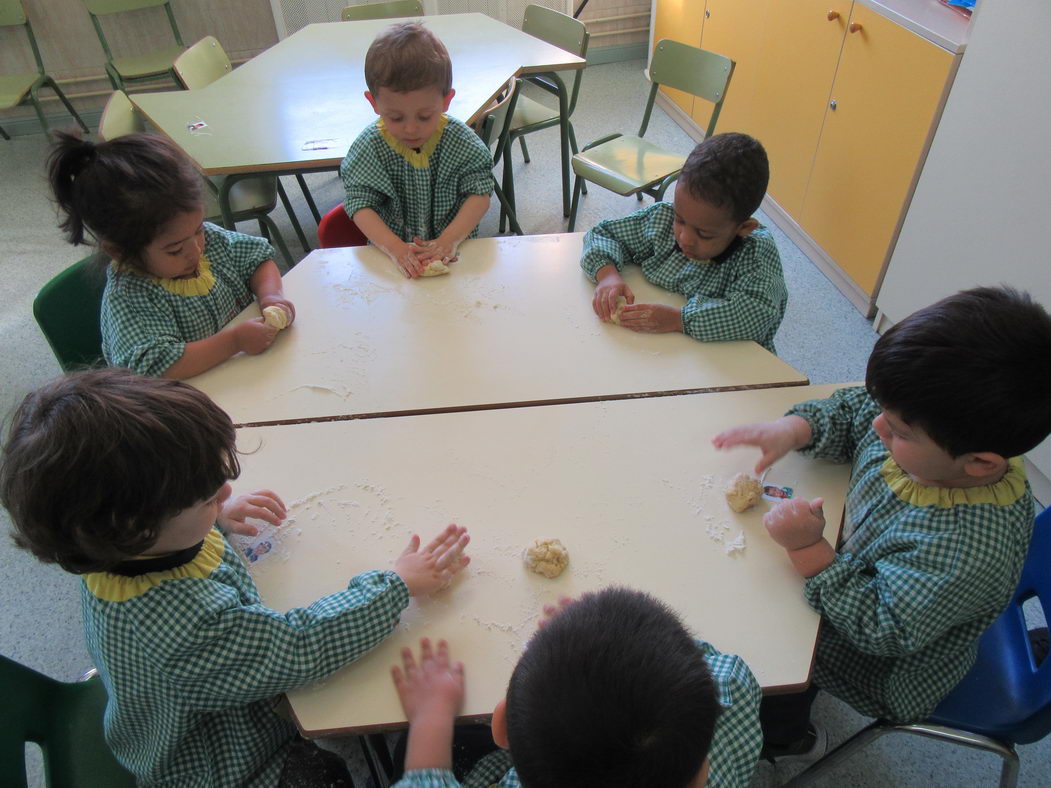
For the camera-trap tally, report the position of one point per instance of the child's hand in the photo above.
(430, 569)
(774, 438)
(651, 318)
(261, 504)
(433, 687)
(796, 524)
(551, 611)
(438, 249)
(253, 336)
(609, 287)
(281, 301)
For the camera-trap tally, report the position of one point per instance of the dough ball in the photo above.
(435, 268)
(743, 492)
(547, 557)
(621, 303)
(276, 316)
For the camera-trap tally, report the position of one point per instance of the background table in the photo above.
(511, 324)
(631, 487)
(297, 106)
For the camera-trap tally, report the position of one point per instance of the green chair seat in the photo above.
(626, 165)
(531, 112)
(154, 64)
(14, 88)
(387, 10)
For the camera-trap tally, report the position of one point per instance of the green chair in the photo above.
(135, 68)
(17, 89)
(65, 720)
(251, 197)
(497, 118)
(388, 10)
(67, 310)
(632, 165)
(570, 34)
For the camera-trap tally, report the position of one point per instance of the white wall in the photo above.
(981, 214)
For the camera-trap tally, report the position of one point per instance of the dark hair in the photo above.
(96, 462)
(729, 171)
(123, 191)
(612, 692)
(407, 56)
(973, 371)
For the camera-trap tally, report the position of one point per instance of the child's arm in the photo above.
(431, 694)
(445, 246)
(608, 247)
(798, 526)
(252, 336)
(774, 438)
(268, 289)
(404, 255)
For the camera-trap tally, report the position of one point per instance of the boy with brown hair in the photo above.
(706, 245)
(417, 180)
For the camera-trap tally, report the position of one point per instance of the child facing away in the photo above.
(706, 245)
(123, 479)
(175, 281)
(938, 513)
(417, 181)
(610, 691)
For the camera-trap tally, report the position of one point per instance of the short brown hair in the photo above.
(730, 171)
(407, 56)
(96, 462)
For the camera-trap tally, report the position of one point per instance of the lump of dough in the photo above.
(435, 268)
(621, 303)
(743, 492)
(547, 557)
(276, 316)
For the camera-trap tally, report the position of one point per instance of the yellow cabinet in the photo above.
(679, 20)
(736, 29)
(884, 101)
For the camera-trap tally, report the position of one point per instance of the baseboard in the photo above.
(23, 127)
(616, 53)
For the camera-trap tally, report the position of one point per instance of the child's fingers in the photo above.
(447, 555)
(414, 545)
(450, 533)
(816, 506)
(408, 662)
(426, 653)
(442, 654)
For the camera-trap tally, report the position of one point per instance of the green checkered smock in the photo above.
(920, 574)
(416, 193)
(733, 756)
(145, 326)
(740, 294)
(194, 663)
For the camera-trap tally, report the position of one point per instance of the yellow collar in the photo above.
(201, 284)
(117, 588)
(420, 159)
(1002, 493)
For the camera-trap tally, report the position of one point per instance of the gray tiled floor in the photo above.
(822, 335)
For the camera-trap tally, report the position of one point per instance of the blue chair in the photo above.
(1004, 700)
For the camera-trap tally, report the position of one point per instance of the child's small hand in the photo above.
(609, 288)
(796, 524)
(774, 438)
(438, 249)
(651, 318)
(551, 611)
(434, 687)
(253, 336)
(430, 569)
(261, 505)
(281, 301)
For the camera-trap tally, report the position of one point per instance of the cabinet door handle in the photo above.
(832, 16)
(832, 105)
(707, 13)
(855, 27)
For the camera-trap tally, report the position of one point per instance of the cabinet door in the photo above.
(796, 66)
(735, 28)
(885, 97)
(679, 20)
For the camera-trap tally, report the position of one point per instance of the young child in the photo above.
(417, 181)
(706, 245)
(938, 514)
(611, 691)
(175, 280)
(122, 479)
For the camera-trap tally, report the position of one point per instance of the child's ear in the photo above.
(984, 463)
(372, 102)
(500, 725)
(448, 100)
(747, 226)
(112, 250)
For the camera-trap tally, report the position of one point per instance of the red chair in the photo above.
(338, 229)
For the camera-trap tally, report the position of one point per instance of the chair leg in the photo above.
(573, 147)
(114, 77)
(69, 107)
(511, 218)
(842, 753)
(4, 134)
(573, 206)
(277, 239)
(370, 762)
(525, 150)
(508, 186)
(292, 217)
(39, 113)
(308, 197)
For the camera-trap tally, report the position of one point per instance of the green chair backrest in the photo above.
(13, 13)
(388, 10)
(119, 117)
(498, 117)
(65, 719)
(102, 7)
(202, 64)
(562, 31)
(693, 70)
(67, 309)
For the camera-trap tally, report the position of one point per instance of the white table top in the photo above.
(631, 487)
(511, 324)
